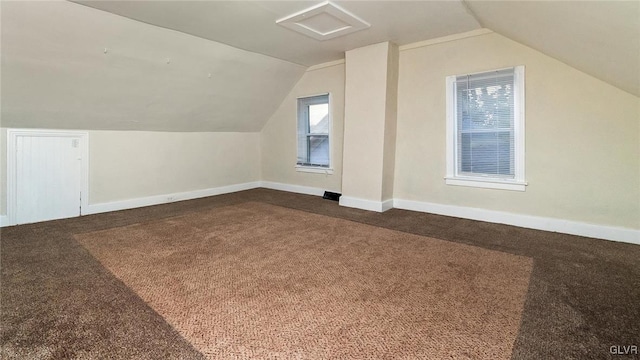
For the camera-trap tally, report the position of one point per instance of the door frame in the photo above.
(12, 181)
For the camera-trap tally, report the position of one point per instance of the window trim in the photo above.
(452, 177)
(314, 169)
(328, 170)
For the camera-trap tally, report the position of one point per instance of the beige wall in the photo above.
(278, 137)
(390, 124)
(582, 142)
(365, 116)
(132, 164)
(582, 135)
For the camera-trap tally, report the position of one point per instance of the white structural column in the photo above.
(370, 127)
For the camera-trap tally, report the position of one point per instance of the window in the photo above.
(313, 134)
(485, 129)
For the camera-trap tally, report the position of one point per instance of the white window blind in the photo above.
(485, 129)
(313, 131)
(485, 126)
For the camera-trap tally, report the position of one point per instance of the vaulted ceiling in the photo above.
(601, 38)
(67, 66)
(251, 25)
(227, 65)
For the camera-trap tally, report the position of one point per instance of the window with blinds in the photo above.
(485, 129)
(484, 112)
(313, 131)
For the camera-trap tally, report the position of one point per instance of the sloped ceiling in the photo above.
(57, 74)
(235, 71)
(250, 25)
(601, 38)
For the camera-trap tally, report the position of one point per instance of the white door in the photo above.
(48, 178)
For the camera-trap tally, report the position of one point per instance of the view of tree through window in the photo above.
(313, 131)
(318, 143)
(485, 127)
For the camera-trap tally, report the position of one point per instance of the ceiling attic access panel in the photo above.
(324, 21)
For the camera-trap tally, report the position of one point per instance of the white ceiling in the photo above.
(601, 38)
(251, 25)
(57, 74)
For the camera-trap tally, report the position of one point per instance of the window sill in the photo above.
(487, 183)
(314, 169)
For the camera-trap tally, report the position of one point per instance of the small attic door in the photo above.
(46, 174)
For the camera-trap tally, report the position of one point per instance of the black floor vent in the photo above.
(331, 196)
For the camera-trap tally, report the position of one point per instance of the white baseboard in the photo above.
(387, 205)
(292, 188)
(166, 198)
(532, 222)
(526, 221)
(371, 205)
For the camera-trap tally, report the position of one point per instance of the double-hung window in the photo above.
(314, 127)
(485, 129)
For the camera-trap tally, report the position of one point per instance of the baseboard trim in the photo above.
(613, 233)
(307, 190)
(386, 205)
(526, 221)
(166, 198)
(370, 205)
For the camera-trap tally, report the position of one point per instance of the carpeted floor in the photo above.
(262, 281)
(59, 301)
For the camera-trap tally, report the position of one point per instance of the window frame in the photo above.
(319, 169)
(452, 177)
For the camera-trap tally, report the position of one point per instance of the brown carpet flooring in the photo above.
(57, 301)
(262, 281)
